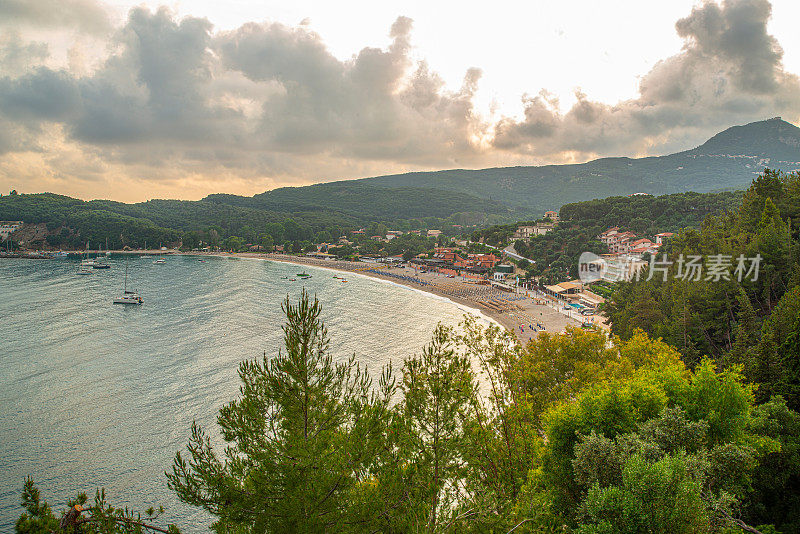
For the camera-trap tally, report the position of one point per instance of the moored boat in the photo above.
(128, 297)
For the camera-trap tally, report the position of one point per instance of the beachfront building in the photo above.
(451, 261)
(7, 228)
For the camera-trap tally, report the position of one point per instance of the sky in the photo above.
(132, 101)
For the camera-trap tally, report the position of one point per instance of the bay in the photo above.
(94, 394)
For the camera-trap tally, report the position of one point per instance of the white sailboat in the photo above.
(85, 266)
(87, 262)
(128, 297)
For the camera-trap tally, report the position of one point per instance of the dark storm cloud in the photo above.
(84, 15)
(728, 72)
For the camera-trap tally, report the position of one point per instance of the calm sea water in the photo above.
(94, 394)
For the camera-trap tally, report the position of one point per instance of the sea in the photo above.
(101, 395)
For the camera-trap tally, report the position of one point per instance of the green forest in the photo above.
(320, 213)
(554, 256)
(748, 321)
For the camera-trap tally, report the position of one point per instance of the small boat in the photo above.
(335, 276)
(100, 264)
(86, 265)
(304, 275)
(128, 297)
(343, 280)
(293, 279)
(159, 261)
(202, 261)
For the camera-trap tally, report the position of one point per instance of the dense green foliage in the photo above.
(572, 433)
(740, 320)
(367, 202)
(98, 517)
(320, 213)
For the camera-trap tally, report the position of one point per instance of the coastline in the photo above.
(467, 306)
(552, 321)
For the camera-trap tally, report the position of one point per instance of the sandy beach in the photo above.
(521, 313)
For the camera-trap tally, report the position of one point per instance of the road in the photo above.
(509, 250)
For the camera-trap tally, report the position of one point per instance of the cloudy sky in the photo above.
(132, 101)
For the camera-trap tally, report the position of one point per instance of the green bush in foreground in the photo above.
(571, 433)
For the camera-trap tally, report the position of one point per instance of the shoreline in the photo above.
(553, 322)
(471, 306)
(520, 313)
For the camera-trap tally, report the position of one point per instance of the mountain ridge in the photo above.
(728, 160)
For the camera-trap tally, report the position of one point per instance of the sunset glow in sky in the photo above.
(138, 100)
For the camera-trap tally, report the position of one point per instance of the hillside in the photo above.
(728, 161)
(322, 211)
(362, 200)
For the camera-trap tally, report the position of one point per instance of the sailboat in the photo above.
(128, 297)
(100, 263)
(85, 266)
(87, 262)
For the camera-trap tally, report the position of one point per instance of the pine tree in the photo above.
(746, 334)
(301, 438)
(438, 388)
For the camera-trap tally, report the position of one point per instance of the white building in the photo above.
(7, 228)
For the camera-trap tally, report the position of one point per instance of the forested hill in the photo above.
(365, 201)
(555, 255)
(728, 161)
(324, 211)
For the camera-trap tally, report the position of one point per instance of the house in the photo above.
(7, 228)
(608, 234)
(552, 215)
(620, 242)
(434, 233)
(663, 236)
(487, 261)
(526, 232)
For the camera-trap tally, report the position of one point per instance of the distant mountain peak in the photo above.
(774, 137)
